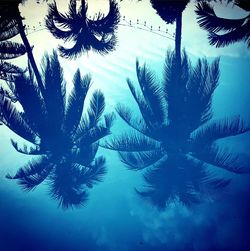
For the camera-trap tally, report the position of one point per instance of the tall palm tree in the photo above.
(65, 140)
(174, 138)
(171, 11)
(223, 31)
(96, 34)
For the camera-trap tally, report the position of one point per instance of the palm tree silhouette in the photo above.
(234, 30)
(65, 141)
(171, 11)
(96, 34)
(174, 138)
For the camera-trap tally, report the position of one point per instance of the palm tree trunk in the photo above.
(29, 51)
(178, 41)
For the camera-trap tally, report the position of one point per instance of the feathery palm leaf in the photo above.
(10, 50)
(78, 95)
(14, 119)
(127, 115)
(235, 30)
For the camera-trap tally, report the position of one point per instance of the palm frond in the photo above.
(86, 42)
(9, 33)
(10, 50)
(108, 23)
(72, 9)
(5, 93)
(152, 92)
(33, 167)
(66, 186)
(144, 108)
(109, 119)
(140, 160)
(9, 68)
(174, 177)
(63, 20)
(219, 129)
(127, 115)
(31, 182)
(54, 94)
(86, 154)
(76, 102)
(222, 158)
(7, 24)
(31, 100)
(9, 71)
(15, 121)
(175, 87)
(201, 86)
(95, 173)
(208, 20)
(25, 149)
(132, 142)
(33, 174)
(66, 35)
(93, 135)
(216, 183)
(94, 112)
(169, 71)
(236, 35)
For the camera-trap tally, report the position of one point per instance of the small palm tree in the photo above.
(174, 138)
(222, 31)
(65, 141)
(96, 34)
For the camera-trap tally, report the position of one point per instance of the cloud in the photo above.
(214, 225)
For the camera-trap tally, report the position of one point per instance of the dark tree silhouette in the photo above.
(222, 31)
(174, 138)
(171, 11)
(65, 140)
(96, 34)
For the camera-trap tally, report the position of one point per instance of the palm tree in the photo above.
(96, 34)
(65, 141)
(171, 11)
(174, 138)
(223, 31)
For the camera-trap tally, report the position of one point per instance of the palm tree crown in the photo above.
(86, 33)
(65, 141)
(222, 31)
(168, 10)
(174, 139)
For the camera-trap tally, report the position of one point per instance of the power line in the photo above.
(133, 24)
